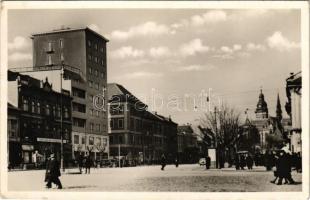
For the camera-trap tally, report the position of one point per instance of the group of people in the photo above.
(283, 170)
(85, 162)
(242, 161)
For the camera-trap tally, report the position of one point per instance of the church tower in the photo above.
(261, 109)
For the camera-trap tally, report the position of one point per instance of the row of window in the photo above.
(36, 107)
(117, 123)
(93, 84)
(95, 72)
(95, 46)
(91, 140)
(134, 139)
(49, 60)
(117, 109)
(82, 124)
(96, 60)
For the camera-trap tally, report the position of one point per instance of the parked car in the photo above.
(202, 161)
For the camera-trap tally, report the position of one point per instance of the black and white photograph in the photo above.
(155, 98)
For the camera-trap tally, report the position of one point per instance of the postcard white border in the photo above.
(303, 6)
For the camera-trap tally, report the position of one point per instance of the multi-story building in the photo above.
(293, 108)
(136, 134)
(39, 118)
(75, 59)
(187, 144)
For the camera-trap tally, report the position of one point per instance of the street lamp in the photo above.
(61, 123)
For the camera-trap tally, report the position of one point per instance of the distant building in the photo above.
(273, 131)
(136, 134)
(293, 108)
(187, 144)
(75, 60)
(34, 120)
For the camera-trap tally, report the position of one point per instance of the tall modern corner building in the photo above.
(81, 50)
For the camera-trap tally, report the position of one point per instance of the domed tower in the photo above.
(261, 109)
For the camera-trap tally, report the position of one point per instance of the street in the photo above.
(185, 178)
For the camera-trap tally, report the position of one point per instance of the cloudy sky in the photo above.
(172, 55)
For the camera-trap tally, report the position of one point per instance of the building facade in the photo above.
(188, 149)
(137, 135)
(39, 118)
(293, 108)
(75, 59)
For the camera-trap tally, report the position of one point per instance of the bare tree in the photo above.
(222, 129)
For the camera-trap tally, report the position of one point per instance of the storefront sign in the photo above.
(27, 147)
(50, 140)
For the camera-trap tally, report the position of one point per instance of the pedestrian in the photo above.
(80, 163)
(298, 163)
(176, 162)
(52, 172)
(163, 162)
(249, 162)
(237, 162)
(242, 162)
(88, 164)
(285, 169)
(208, 162)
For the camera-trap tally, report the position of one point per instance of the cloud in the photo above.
(279, 42)
(255, 47)
(193, 47)
(195, 68)
(17, 56)
(159, 52)
(226, 49)
(148, 28)
(94, 27)
(213, 16)
(127, 51)
(19, 43)
(140, 74)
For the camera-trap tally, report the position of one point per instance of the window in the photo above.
(79, 122)
(89, 57)
(54, 111)
(97, 86)
(90, 84)
(120, 123)
(97, 113)
(49, 47)
(120, 139)
(95, 59)
(47, 110)
(66, 112)
(91, 126)
(49, 59)
(102, 62)
(76, 139)
(112, 123)
(38, 108)
(102, 75)
(78, 107)
(62, 56)
(98, 127)
(101, 49)
(61, 43)
(96, 72)
(104, 141)
(91, 140)
(111, 139)
(96, 46)
(90, 70)
(58, 111)
(33, 107)
(98, 141)
(89, 43)
(91, 112)
(78, 92)
(25, 105)
(83, 139)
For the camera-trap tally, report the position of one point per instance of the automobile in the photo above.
(202, 161)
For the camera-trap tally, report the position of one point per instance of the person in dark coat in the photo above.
(52, 172)
(163, 162)
(242, 162)
(208, 162)
(237, 162)
(88, 164)
(176, 162)
(249, 162)
(285, 169)
(80, 162)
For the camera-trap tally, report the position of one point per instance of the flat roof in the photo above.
(70, 30)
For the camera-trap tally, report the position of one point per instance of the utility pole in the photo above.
(61, 124)
(216, 139)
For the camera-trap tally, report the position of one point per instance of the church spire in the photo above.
(261, 109)
(278, 109)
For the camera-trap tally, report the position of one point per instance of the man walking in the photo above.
(52, 172)
(208, 162)
(88, 164)
(163, 162)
